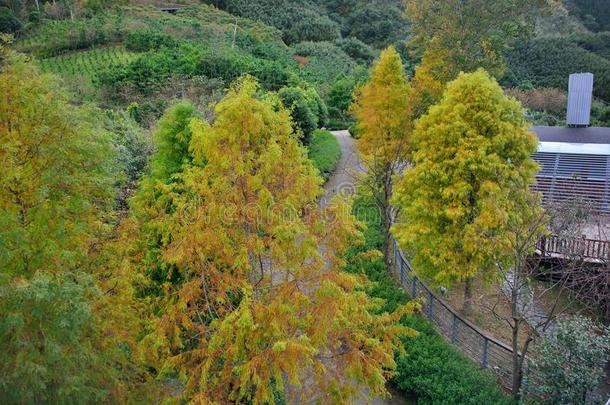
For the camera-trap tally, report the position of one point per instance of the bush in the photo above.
(357, 50)
(142, 41)
(377, 23)
(303, 118)
(325, 152)
(8, 22)
(325, 61)
(298, 21)
(437, 373)
(568, 365)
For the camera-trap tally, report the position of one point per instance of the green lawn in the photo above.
(324, 151)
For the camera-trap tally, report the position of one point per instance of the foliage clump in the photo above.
(568, 364)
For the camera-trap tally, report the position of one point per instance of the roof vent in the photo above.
(580, 96)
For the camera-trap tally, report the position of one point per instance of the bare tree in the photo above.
(523, 265)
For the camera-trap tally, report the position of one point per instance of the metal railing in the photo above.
(475, 343)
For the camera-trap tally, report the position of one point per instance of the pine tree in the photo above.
(253, 302)
(382, 109)
(471, 167)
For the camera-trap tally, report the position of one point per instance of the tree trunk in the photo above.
(387, 219)
(517, 362)
(467, 306)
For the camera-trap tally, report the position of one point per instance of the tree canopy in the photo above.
(471, 165)
(251, 305)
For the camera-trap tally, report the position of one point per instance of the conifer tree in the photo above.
(471, 167)
(384, 121)
(56, 188)
(253, 302)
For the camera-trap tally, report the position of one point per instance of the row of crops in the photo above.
(87, 63)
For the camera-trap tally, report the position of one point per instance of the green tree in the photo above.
(471, 166)
(303, 116)
(384, 123)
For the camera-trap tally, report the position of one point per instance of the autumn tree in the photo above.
(384, 121)
(253, 302)
(56, 188)
(451, 36)
(472, 163)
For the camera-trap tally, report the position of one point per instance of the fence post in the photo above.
(414, 288)
(430, 305)
(485, 344)
(454, 329)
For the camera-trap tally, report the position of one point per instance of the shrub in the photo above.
(142, 41)
(325, 152)
(303, 118)
(326, 61)
(569, 364)
(377, 23)
(8, 22)
(437, 373)
(298, 21)
(357, 50)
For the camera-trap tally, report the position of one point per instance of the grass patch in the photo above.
(324, 151)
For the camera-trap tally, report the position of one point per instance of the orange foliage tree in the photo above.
(251, 302)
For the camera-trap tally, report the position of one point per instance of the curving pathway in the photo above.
(343, 182)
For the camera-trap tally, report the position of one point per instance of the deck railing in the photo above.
(574, 247)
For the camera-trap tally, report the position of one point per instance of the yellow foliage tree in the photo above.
(382, 109)
(56, 194)
(254, 303)
(472, 167)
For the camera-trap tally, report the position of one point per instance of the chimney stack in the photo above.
(580, 97)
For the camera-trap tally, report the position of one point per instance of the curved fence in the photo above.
(475, 343)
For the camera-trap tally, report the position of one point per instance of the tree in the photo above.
(304, 118)
(56, 188)
(455, 35)
(569, 364)
(472, 162)
(384, 123)
(254, 302)
(528, 281)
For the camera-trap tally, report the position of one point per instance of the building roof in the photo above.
(594, 135)
(575, 166)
